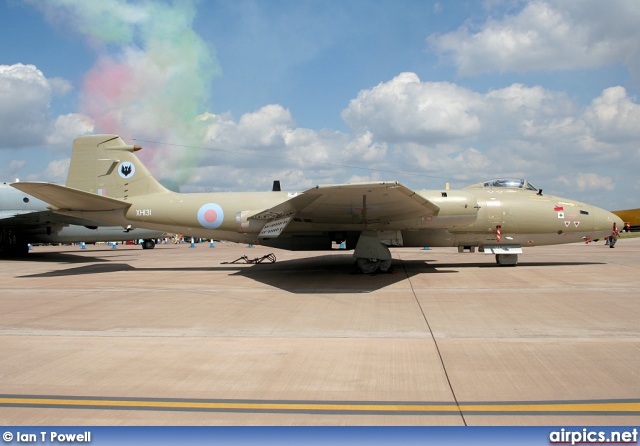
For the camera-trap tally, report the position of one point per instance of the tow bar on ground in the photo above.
(269, 258)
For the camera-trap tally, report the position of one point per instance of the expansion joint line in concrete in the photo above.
(444, 367)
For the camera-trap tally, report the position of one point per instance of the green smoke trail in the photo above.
(151, 77)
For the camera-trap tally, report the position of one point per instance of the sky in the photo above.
(230, 95)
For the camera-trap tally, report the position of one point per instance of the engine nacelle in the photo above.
(246, 225)
(457, 208)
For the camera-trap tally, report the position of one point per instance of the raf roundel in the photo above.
(210, 216)
(126, 169)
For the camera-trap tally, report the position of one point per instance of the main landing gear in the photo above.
(148, 244)
(372, 256)
(11, 246)
(507, 259)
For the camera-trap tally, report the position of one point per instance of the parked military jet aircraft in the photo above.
(107, 182)
(25, 219)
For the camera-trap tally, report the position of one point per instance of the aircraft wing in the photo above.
(353, 203)
(68, 198)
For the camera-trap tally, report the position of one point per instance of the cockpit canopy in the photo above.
(510, 183)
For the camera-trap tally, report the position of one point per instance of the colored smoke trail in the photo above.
(151, 77)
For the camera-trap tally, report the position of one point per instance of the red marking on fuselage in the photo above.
(210, 215)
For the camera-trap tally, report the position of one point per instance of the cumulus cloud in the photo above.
(268, 145)
(363, 148)
(55, 172)
(25, 109)
(25, 95)
(10, 171)
(406, 109)
(428, 133)
(16, 164)
(436, 129)
(513, 131)
(59, 86)
(68, 127)
(614, 116)
(589, 181)
(547, 35)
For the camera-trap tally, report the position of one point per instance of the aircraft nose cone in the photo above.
(603, 221)
(618, 221)
(613, 218)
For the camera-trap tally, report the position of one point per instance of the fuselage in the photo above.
(482, 214)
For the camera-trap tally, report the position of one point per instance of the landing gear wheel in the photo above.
(14, 250)
(148, 244)
(507, 259)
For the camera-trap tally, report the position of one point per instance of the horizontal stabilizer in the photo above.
(68, 198)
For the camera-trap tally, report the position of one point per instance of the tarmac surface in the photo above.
(171, 336)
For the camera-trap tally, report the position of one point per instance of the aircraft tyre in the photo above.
(13, 250)
(148, 244)
(507, 259)
(4, 250)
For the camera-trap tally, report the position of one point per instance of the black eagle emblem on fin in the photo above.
(126, 170)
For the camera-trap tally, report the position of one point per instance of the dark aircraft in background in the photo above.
(631, 218)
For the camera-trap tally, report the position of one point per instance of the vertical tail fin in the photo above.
(105, 165)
